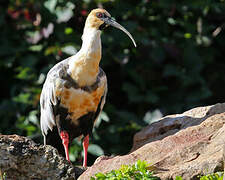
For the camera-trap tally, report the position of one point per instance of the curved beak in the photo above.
(111, 22)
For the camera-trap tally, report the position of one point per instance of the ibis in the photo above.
(75, 89)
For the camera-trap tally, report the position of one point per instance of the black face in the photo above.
(103, 17)
(102, 26)
(108, 21)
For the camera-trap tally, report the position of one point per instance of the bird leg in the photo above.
(65, 141)
(85, 147)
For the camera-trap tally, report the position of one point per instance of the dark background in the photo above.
(178, 63)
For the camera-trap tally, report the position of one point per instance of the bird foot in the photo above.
(65, 141)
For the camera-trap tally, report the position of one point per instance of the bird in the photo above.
(74, 91)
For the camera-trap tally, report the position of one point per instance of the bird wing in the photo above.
(50, 97)
(51, 94)
(103, 79)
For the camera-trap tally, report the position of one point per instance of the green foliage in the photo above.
(137, 171)
(2, 175)
(178, 63)
(178, 178)
(214, 176)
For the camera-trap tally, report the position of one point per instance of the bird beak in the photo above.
(111, 22)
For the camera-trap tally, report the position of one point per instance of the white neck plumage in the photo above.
(84, 66)
(91, 40)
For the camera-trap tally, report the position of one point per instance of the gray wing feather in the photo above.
(104, 80)
(105, 93)
(47, 114)
(48, 98)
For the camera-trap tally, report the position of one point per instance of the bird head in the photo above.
(100, 19)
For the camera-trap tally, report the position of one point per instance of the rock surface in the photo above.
(187, 145)
(21, 158)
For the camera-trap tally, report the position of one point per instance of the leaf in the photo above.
(103, 116)
(23, 98)
(95, 149)
(36, 48)
(64, 13)
(100, 175)
(68, 30)
(24, 73)
(50, 5)
(178, 178)
(69, 49)
(51, 50)
(128, 172)
(33, 117)
(214, 176)
(153, 116)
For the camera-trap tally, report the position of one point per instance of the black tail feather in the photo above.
(54, 140)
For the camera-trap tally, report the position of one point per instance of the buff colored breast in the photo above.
(80, 102)
(86, 68)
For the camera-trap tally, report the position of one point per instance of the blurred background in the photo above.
(178, 63)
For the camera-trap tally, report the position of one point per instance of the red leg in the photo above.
(85, 147)
(65, 141)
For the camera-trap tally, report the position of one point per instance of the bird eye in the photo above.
(100, 15)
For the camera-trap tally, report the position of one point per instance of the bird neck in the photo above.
(85, 66)
(91, 40)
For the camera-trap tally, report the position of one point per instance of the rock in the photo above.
(21, 158)
(224, 160)
(187, 145)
